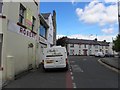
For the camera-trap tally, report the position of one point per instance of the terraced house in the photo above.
(19, 24)
(87, 47)
(47, 32)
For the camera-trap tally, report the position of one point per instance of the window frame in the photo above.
(33, 22)
(45, 31)
(79, 45)
(1, 8)
(71, 45)
(22, 14)
(85, 46)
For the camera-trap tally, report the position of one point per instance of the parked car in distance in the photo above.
(99, 54)
(55, 57)
(109, 55)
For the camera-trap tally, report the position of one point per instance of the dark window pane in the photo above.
(43, 31)
(1, 6)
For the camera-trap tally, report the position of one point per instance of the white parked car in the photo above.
(55, 57)
(99, 54)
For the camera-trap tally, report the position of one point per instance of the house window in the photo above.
(43, 31)
(102, 47)
(33, 22)
(71, 45)
(79, 46)
(21, 14)
(90, 46)
(72, 52)
(96, 46)
(106, 47)
(106, 51)
(85, 46)
(79, 52)
(1, 4)
(96, 51)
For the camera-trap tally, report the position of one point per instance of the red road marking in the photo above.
(69, 81)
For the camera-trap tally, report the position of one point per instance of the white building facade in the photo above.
(48, 19)
(45, 33)
(87, 47)
(18, 38)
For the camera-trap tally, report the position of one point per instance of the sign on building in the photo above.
(29, 19)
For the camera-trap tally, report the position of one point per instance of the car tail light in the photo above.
(66, 61)
(42, 61)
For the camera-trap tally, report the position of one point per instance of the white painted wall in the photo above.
(14, 43)
(90, 51)
(50, 31)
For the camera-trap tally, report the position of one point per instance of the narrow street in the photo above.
(84, 72)
(89, 73)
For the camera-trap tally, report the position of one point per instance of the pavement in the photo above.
(112, 62)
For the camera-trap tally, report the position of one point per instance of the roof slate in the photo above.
(83, 41)
(46, 15)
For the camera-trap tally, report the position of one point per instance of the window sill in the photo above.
(21, 25)
(33, 32)
(2, 16)
(43, 37)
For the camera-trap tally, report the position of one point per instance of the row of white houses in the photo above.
(88, 47)
(23, 35)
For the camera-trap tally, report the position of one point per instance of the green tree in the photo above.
(116, 42)
(62, 41)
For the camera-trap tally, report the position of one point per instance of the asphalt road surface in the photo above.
(84, 72)
(87, 72)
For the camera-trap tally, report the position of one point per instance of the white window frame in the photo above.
(72, 45)
(22, 14)
(1, 8)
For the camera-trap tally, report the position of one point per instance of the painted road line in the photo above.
(71, 73)
(72, 77)
(81, 69)
(76, 68)
(74, 85)
(84, 59)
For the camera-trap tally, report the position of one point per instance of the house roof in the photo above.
(42, 20)
(103, 43)
(46, 15)
(83, 41)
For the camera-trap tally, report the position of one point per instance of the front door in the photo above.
(85, 52)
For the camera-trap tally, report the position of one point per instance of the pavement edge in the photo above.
(108, 66)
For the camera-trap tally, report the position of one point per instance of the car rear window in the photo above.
(53, 55)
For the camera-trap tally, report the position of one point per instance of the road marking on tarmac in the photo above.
(76, 68)
(71, 73)
(72, 77)
(74, 85)
(84, 59)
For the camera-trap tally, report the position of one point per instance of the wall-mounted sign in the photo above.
(27, 32)
(20, 30)
(28, 20)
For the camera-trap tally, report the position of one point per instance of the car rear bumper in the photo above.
(54, 66)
